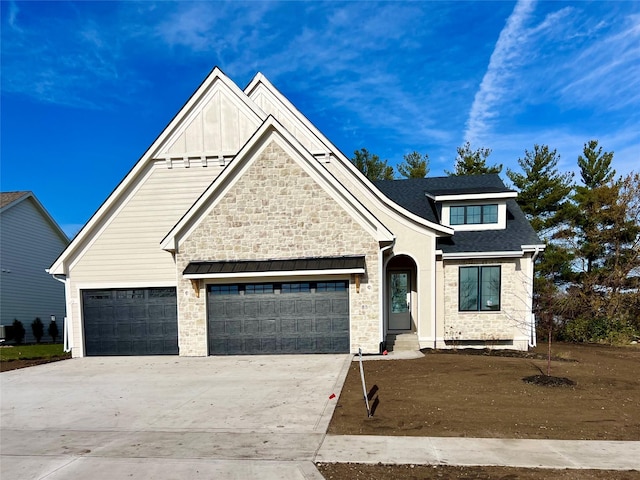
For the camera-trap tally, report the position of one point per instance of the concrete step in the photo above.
(402, 342)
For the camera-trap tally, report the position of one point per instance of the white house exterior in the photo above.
(242, 230)
(29, 241)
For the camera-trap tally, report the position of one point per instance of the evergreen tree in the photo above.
(38, 329)
(543, 191)
(473, 162)
(371, 166)
(414, 165)
(604, 227)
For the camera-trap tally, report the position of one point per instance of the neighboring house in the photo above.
(244, 230)
(29, 241)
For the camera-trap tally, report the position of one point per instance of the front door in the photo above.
(399, 301)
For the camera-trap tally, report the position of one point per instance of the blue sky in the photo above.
(87, 86)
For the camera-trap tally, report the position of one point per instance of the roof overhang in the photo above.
(480, 255)
(473, 196)
(345, 265)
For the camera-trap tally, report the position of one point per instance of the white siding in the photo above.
(128, 247)
(28, 246)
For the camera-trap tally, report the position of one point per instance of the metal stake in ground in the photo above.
(364, 387)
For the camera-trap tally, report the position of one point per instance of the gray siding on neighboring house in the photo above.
(28, 245)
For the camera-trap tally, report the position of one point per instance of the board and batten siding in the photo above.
(29, 245)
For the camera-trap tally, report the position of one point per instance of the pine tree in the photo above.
(414, 165)
(473, 162)
(543, 191)
(371, 166)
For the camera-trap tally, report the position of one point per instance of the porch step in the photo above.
(402, 342)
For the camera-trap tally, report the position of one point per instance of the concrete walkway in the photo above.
(579, 454)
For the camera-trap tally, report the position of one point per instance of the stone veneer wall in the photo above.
(276, 210)
(487, 326)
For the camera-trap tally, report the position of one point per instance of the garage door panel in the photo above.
(339, 325)
(304, 307)
(340, 306)
(288, 325)
(130, 321)
(273, 319)
(252, 327)
(267, 308)
(287, 307)
(305, 325)
(251, 309)
(323, 307)
(268, 326)
(324, 326)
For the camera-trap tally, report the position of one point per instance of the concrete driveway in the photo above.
(168, 417)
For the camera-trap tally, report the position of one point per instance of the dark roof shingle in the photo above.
(412, 195)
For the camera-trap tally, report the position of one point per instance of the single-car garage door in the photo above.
(264, 318)
(130, 321)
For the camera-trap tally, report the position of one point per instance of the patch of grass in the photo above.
(31, 352)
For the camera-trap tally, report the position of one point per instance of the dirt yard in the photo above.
(482, 394)
(348, 471)
(471, 395)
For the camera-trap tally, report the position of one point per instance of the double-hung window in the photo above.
(479, 289)
(474, 214)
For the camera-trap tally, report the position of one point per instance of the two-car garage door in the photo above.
(266, 318)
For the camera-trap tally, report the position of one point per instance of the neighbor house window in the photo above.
(474, 214)
(479, 289)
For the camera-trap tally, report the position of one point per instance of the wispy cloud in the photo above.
(507, 57)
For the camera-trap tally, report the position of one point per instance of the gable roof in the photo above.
(157, 148)
(417, 195)
(7, 198)
(272, 128)
(260, 86)
(10, 199)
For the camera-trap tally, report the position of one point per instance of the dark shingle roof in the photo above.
(412, 195)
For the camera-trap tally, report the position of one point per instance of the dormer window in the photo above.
(474, 214)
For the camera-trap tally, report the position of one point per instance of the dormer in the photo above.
(470, 211)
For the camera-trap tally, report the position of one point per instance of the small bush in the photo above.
(38, 329)
(53, 330)
(18, 331)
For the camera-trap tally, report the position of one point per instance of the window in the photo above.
(474, 214)
(479, 289)
(258, 288)
(331, 286)
(295, 287)
(223, 289)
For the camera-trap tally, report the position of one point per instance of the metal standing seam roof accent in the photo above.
(275, 265)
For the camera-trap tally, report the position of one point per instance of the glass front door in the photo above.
(399, 301)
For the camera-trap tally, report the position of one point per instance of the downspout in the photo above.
(532, 321)
(383, 285)
(66, 344)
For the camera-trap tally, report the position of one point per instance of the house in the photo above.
(244, 230)
(29, 241)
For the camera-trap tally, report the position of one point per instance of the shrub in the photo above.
(53, 330)
(38, 329)
(18, 331)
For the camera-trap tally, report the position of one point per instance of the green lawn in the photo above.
(31, 352)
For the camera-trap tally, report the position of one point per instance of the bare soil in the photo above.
(482, 394)
(500, 394)
(5, 366)
(352, 471)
